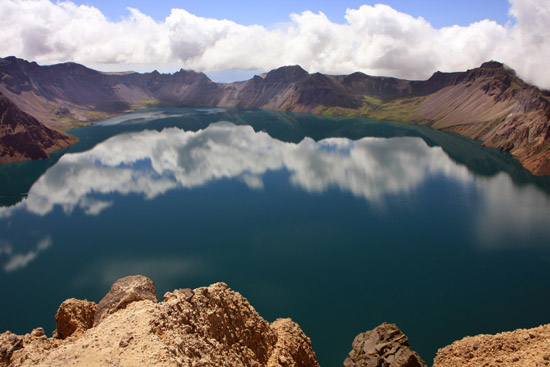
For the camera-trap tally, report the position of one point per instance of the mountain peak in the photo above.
(190, 76)
(286, 74)
(492, 65)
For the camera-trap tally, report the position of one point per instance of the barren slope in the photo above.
(22, 137)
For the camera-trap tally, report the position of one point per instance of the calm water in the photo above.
(340, 224)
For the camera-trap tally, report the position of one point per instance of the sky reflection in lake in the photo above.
(149, 163)
(308, 217)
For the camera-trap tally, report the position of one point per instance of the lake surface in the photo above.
(340, 224)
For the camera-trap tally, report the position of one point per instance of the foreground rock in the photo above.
(521, 347)
(74, 316)
(384, 346)
(210, 326)
(122, 293)
(216, 326)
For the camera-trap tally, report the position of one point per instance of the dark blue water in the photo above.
(340, 224)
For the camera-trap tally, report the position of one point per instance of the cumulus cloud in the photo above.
(375, 39)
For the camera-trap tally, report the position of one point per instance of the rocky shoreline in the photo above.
(216, 326)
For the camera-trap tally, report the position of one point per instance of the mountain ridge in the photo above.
(489, 103)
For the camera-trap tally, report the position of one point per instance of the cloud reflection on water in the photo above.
(509, 212)
(150, 163)
(18, 261)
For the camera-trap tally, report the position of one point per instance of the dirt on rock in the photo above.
(74, 316)
(209, 326)
(522, 347)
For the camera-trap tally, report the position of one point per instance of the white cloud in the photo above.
(149, 163)
(511, 213)
(375, 39)
(18, 261)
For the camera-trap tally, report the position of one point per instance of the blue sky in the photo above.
(247, 12)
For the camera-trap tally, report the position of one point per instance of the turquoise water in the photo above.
(340, 224)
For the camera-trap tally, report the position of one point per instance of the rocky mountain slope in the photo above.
(490, 103)
(22, 137)
(216, 326)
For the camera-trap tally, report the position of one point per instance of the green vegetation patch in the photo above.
(402, 109)
(145, 104)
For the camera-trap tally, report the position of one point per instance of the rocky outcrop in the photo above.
(209, 326)
(22, 137)
(384, 346)
(123, 292)
(74, 316)
(216, 326)
(522, 347)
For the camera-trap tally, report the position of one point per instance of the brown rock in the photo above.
(293, 347)
(125, 341)
(38, 332)
(123, 292)
(211, 326)
(74, 316)
(9, 343)
(216, 322)
(385, 346)
(28, 349)
(516, 348)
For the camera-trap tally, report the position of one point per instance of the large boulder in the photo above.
(384, 346)
(215, 326)
(123, 292)
(74, 316)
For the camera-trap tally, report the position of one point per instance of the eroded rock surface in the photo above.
(209, 326)
(522, 347)
(384, 346)
(123, 292)
(216, 326)
(74, 316)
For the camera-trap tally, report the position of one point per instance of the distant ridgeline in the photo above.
(490, 103)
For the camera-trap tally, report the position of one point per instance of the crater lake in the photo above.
(338, 223)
